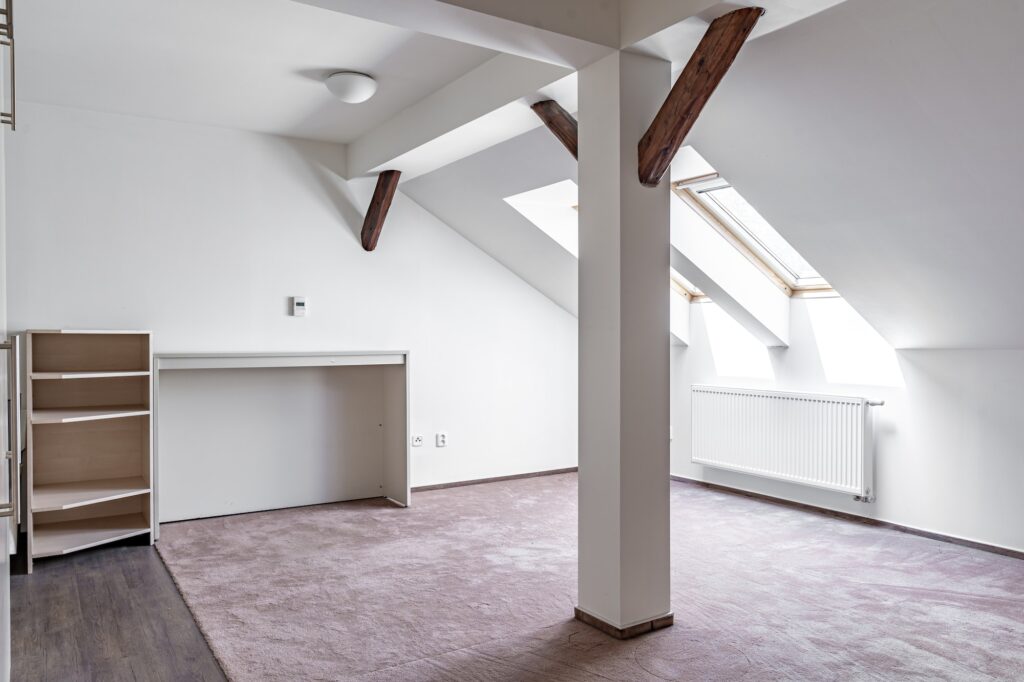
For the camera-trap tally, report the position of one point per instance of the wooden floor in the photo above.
(106, 614)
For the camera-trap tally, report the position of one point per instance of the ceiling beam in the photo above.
(541, 45)
(723, 273)
(595, 22)
(560, 122)
(639, 20)
(771, 336)
(483, 29)
(419, 130)
(702, 74)
(377, 212)
(672, 29)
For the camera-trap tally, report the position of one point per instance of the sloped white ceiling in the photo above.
(469, 196)
(883, 140)
(254, 65)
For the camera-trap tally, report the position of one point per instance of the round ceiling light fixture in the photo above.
(351, 86)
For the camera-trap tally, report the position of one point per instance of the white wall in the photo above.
(201, 234)
(949, 438)
(844, 132)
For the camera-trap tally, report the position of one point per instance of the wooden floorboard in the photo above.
(110, 613)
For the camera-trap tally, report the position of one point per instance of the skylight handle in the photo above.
(7, 40)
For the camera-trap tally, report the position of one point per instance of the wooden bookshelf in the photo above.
(89, 463)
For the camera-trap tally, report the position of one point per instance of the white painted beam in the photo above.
(572, 33)
(595, 22)
(726, 301)
(539, 55)
(486, 106)
(671, 29)
(704, 256)
(679, 319)
(465, 25)
(423, 153)
(641, 19)
(720, 270)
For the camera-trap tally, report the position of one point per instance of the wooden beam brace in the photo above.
(561, 124)
(387, 183)
(708, 64)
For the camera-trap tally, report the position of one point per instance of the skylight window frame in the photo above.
(707, 196)
(695, 193)
(685, 288)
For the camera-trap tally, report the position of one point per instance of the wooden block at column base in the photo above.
(387, 183)
(624, 633)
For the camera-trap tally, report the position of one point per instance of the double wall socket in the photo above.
(440, 440)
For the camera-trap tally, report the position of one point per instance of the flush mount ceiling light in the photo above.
(351, 86)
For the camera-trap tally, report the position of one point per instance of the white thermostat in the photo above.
(299, 306)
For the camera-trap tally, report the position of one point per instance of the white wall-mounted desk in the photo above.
(242, 432)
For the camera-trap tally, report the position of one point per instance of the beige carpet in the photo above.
(478, 583)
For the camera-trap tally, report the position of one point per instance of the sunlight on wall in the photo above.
(851, 351)
(736, 352)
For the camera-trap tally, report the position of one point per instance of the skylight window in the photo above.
(731, 207)
(552, 209)
(741, 224)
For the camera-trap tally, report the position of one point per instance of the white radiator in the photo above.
(823, 441)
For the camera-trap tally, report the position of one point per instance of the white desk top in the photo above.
(258, 359)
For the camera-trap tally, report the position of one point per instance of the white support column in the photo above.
(623, 353)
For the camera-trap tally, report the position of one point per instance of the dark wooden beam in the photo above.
(387, 183)
(560, 122)
(708, 64)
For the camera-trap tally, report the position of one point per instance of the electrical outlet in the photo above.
(417, 441)
(441, 439)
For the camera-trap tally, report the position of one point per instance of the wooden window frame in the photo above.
(684, 190)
